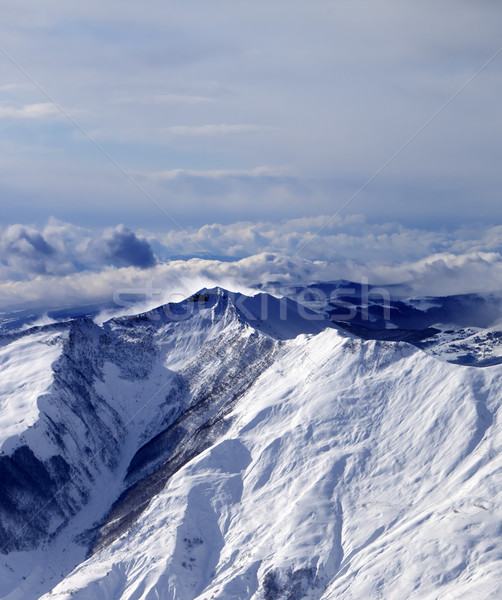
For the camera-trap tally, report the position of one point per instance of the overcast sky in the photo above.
(230, 110)
(249, 125)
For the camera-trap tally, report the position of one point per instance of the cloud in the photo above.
(191, 104)
(229, 194)
(352, 237)
(440, 274)
(25, 250)
(214, 130)
(30, 111)
(61, 264)
(330, 91)
(167, 99)
(121, 247)
(27, 243)
(9, 87)
(381, 250)
(60, 249)
(174, 174)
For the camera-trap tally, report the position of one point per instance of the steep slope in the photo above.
(112, 404)
(232, 447)
(350, 469)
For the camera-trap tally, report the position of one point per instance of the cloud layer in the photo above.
(321, 93)
(440, 274)
(62, 264)
(60, 249)
(351, 237)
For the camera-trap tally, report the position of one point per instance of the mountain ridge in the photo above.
(195, 394)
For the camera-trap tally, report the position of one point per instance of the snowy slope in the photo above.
(114, 388)
(462, 329)
(251, 461)
(351, 469)
(26, 374)
(475, 346)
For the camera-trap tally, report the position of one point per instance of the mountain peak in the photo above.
(279, 318)
(196, 449)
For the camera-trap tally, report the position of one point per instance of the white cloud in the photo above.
(41, 110)
(173, 174)
(167, 99)
(62, 264)
(214, 130)
(351, 237)
(440, 274)
(61, 248)
(9, 87)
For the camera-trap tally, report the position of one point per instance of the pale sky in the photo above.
(227, 110)
(250, 126)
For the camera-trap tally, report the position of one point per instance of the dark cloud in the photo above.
(26, 243)
(61, 249)
(25, 250)
(123, 248)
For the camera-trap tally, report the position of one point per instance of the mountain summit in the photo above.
(239, 447)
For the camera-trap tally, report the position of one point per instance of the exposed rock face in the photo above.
(213, 450)
(84, 426)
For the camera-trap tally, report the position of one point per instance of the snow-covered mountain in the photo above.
(463, 329)
(230, 447)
